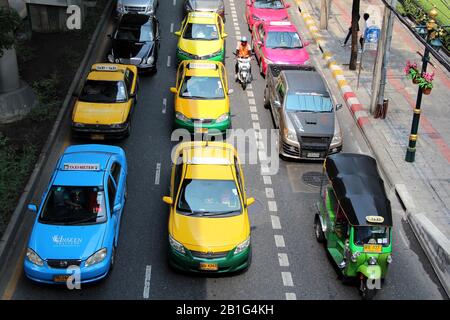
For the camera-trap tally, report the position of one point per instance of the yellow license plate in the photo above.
(61, 278)
(209, 266)
(201, 130)
(98, 137)
(372, 248)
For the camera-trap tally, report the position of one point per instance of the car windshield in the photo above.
(209, 198)
(283, 40)
(67, 205)
(268, 4)
(142, 33)
(103, 91)
(202, 88)
(308, 103)
(371, 235)
(199, 31)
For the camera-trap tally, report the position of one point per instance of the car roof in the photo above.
(303, 81)
(202, 17)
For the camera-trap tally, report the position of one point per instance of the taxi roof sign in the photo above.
(375, 219)
(209, 160)
(199, 65)
(106, 67)
(280, 23)
(201, 14)
(82, 166)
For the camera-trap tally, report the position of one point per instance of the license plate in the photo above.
(201, 130)
(372, 248)
(209, 266)
(313, 155)
(61, 278)
(98, 137)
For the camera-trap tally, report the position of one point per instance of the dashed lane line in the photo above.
(164, 108)
(279, 241)
(158, 173)
(283, 259)
(272, 206)
(267, 180)
(276, 225)
(148, 276)
(287, 279)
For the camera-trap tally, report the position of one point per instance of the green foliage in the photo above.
(49, 103)
(9, 22)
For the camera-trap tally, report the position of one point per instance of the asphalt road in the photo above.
(283, 213)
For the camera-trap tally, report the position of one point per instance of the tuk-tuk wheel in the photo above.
(320, 237)
(365, 292)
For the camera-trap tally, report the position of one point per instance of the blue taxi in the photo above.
(77, 223)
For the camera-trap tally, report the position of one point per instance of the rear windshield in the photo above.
(308, 103)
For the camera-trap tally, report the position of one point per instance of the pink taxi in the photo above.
(278, 42)
(266, 10)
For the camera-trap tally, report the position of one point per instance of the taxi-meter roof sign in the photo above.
(82, 166)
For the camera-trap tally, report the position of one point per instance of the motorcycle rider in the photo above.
(243, 50)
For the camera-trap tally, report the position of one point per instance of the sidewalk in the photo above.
(423, 186)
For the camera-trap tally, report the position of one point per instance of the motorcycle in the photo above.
(244, 74)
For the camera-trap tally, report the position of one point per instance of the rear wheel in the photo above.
(266, 99)
(113, 258)
(244, 85)
(318, 231)
(261, 69)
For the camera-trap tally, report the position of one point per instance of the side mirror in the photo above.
(306, 43)
(230, 91)
(117, 207)
(167, 200)
(259, 43)
(287, 5)
(224, 35)
(173, 89)
(133, 94)
(109, 35)
(32, 207)
(277, 103)
(177, 33)
(250, 201)
(338, 106)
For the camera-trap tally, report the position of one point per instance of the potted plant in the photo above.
(412, 71)
(426, 82)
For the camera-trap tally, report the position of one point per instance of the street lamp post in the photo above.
(430, 35)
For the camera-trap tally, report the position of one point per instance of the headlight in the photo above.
(372, 261)
(176, 245)
(187, 54)
(150, 60)
(255, 18)
(389, 259)
(97, 257)
(78, 124)
(188, 6)
(242, 246)
(267, 61)
(120, 7)
(181, 117)
(223, 117)
(149, 9)
(337, 140)
(285, 19)
(355, 256)
(119, 125)
(111, 58)
(307, 63)
(290, 135)
(34, 258)
(208, 56)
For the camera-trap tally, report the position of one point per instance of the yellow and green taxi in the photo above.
(104, 107)
(201, 97)
(202, 37)
(209, 228)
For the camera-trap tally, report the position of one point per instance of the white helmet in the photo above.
(243, 39)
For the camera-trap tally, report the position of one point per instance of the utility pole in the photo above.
(382, 59)
(325, 7)
(354, 52)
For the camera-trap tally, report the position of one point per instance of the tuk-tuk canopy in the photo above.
(359, 189)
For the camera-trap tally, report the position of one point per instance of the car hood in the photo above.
(312, 124)
(270, 14)
(210, 234)
(292, 56)
(205, 5)
(200, 48)
(202, 109)
(129, 49)
(140, 3)
(105, 113)
(67, 242)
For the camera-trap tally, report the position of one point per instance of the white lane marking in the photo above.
(254, 117)
(287, 279)
(283, 260)
(249, 86)
(148, 276)
(256, 126)
(236, 24)
(260, 145)
(269, 193)
(250, 94)
(164, 105)
(279, 241)
(171, 27)
(238, 35)
(168, 61)
(267, 179)
(174, 2)
(253, 109)
(275, 222)
(262, 156)
(291, 296)
(251, 101)
(272, 206)
(264, 169)
(158, 173)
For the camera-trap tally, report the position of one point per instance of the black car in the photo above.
(136, 42)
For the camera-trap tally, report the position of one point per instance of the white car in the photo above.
(147, 7)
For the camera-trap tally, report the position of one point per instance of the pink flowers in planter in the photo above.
(426, 82)
(411, 70)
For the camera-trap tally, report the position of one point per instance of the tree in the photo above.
(354, 51)
(9, 22)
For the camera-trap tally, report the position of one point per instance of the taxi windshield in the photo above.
(200, 197)
(202, 88)
(142, 33)
(67, 205)
(308, 103)
(372, 235)
(199, 31)
(268, 4)
(283, 40)
(103, 91)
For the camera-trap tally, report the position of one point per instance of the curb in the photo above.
(9, 237)
(433, 242)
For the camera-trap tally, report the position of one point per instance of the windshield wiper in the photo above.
(80, 221)
(220, 213)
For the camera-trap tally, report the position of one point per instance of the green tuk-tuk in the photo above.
(354, 220)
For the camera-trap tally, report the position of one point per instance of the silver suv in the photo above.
(147, 7)
(216, 6)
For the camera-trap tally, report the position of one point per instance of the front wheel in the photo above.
(244, 85)
(266, 99)
(365, 292)
(318, 231)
